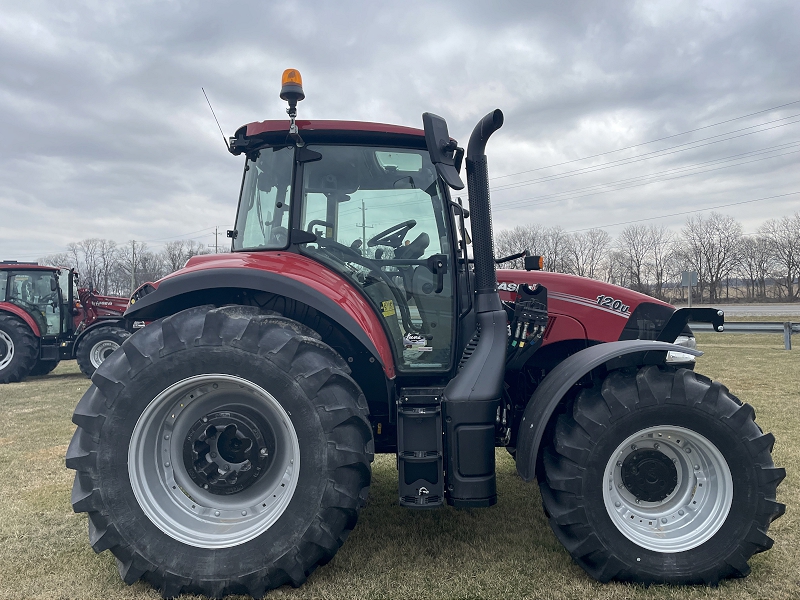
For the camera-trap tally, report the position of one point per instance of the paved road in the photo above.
(752, 310)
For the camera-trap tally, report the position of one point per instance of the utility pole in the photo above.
(215, 245)
(364, 225)
(133, 266)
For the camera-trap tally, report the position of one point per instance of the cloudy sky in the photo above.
(104, 131)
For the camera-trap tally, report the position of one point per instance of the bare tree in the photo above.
(755, 264)
(711, 248)
(783, 236)
(586, 252)
(175, 254)
(555, 242)
(107, 257)
(662, 255)
(635, 246)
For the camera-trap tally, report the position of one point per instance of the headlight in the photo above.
(681, 357)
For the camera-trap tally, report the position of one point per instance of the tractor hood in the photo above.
(600, 309)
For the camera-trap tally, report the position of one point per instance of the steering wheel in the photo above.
(393, 236)
(310, 228)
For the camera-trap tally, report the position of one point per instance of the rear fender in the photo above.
(22, 314)
(337, 300)
(554, 387)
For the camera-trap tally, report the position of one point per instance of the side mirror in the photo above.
(442, 149)
(53, 284)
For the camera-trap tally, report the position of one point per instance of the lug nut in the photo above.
(244, 512)
(166, 464)
(213, 455)
(166, 436)
(226, 467)
(619, 463)
(263, 452)
(216, 513)
(205, 419)
(215, 386)
(680, 512)
(697, 467)
(656, 446)
(617, 504)
(633, 446)
(664, 520)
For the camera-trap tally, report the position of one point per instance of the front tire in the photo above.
(221, 451)
(660, 476)
(19, 349)
(97, 345)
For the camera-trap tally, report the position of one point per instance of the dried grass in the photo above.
(507, 551)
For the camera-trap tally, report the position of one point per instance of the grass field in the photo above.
(507, 551)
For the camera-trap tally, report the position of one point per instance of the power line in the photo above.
(180, 235)
(518, 203)
(645, 143)
(686, 212)
(647, 156)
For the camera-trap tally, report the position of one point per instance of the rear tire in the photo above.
(97, 345)
(19, 349)
(159, 396)
(661, 476)
(43, 367)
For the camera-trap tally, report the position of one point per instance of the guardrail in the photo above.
(787, 328)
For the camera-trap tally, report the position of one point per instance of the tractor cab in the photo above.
(378, 215)
(42, 293)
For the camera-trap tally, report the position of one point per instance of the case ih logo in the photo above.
(103, 303)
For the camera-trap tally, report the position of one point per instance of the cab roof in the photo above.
(276, 132)
(13, 265)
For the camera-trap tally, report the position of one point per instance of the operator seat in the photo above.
(411, 251)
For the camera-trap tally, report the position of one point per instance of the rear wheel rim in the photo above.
(101, 351)
(170, 456)
(679, 514)
(6, 350)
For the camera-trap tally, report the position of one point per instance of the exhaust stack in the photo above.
(472, 398)
(487, 298)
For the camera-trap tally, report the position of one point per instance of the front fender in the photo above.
(558, 382)
(319, 288)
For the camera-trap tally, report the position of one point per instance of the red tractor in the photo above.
(44, 319)
(226, 447)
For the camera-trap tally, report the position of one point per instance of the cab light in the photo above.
(292, 86)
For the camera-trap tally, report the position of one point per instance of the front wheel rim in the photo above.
(102, 350)
(6, 350)
(675, 516)
(172, 437)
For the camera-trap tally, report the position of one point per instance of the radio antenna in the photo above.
(224, 139)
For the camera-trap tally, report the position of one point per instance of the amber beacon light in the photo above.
(292, 86)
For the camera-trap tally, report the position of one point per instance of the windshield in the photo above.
(37, 293)
(263, 219)
(379, 218)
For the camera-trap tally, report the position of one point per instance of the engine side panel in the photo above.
(601, 308)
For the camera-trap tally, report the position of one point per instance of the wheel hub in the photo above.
(6, 349)
(215, 501)
(101, 351)
(225, 452)
(667, 488)
(649, 475)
